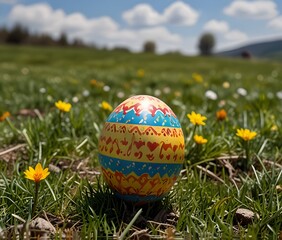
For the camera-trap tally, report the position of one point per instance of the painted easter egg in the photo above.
(141, 149)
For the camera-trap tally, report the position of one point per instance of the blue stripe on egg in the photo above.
(145, 118)
(139, 168)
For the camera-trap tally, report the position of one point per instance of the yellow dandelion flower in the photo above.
(274, 128)
(197, 77)
(140, 73)
(177, 93)
(63, 106)
(36, 174)
(200, 140)
(226, 85)
(4, 116)
(196, 118)
(245, 134)
(106, 106)
(93, 82)
(221, 115)
(96, 83)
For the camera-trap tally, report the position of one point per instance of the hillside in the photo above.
(93, 59)
(269, 49)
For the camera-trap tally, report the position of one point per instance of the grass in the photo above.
(74, 198)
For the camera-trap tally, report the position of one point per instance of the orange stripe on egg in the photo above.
(143, 185)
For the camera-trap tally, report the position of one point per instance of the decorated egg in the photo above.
(141, 149)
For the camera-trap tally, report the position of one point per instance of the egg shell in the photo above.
(141, 149)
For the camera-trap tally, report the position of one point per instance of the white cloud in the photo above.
(164, 39)
(225, 36)
(142, 15)
(276, 23)
(223, 32)
(38, 18)
(177, 13)
(252, 9)
(180, 13)
(104, 31)
(235, 36)
(216, 26)
(42, 18)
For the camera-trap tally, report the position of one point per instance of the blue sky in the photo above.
(173, 25)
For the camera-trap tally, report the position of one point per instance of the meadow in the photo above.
(220, 176)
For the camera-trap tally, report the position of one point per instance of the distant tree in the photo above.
(17, 35)
(149, 47)
(46, 40)
(78, 43)
(42, 40)
(3, 34)
(206, 44)
(63, 40)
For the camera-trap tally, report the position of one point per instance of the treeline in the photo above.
(21, 35)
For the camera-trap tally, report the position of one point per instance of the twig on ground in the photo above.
(234, 157)
(272, 163)
(229, 167)
(13, 149)
(209, 173)
(225, 163)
